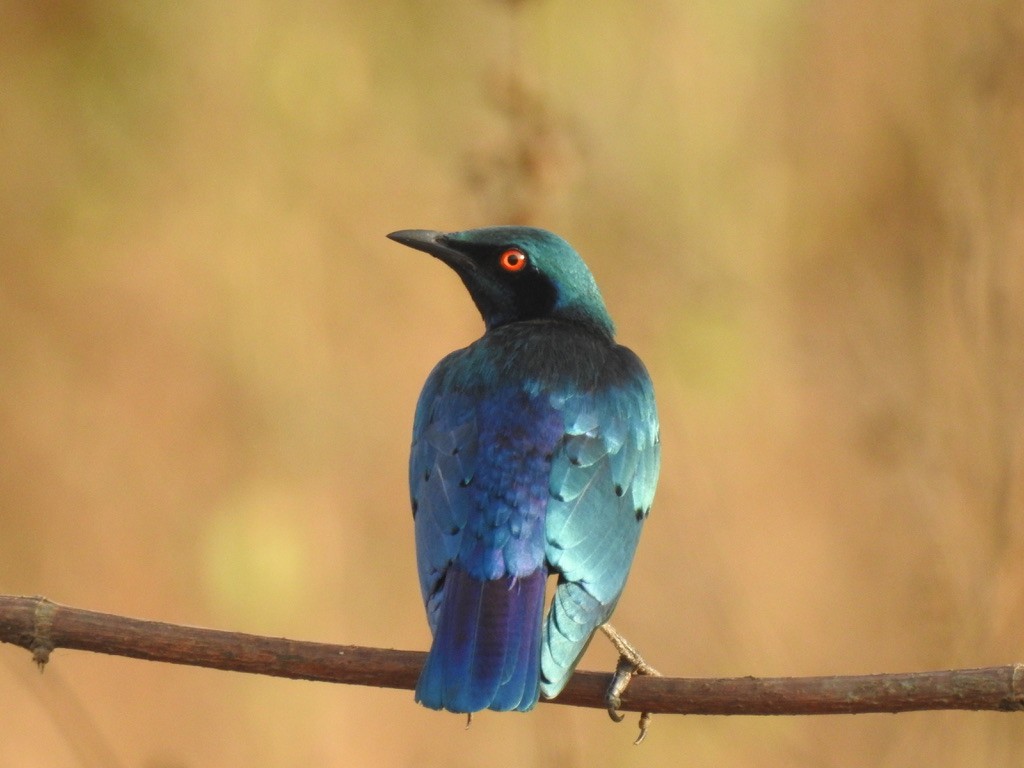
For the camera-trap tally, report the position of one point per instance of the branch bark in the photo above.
(40, 626)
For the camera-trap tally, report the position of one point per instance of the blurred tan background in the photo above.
(807, 218)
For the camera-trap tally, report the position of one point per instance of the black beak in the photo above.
(433, 243)
(420, 239)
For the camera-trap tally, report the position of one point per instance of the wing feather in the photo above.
(602, 485)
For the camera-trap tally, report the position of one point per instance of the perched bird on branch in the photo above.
(535, 452)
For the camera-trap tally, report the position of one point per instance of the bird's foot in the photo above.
(631, 663)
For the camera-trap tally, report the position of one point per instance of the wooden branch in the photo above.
(40, 626)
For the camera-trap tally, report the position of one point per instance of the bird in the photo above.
(535, 456)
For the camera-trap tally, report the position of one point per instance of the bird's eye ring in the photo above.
(512, 260)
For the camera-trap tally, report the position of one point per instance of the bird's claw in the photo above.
(630, 663)
(624, 672)
(645, 722)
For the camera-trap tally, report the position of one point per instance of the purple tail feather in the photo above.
(486, 651)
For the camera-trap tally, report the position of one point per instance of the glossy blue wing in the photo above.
(603, 478)
(442, 462)
(479, 471)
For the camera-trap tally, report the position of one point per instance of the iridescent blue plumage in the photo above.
(535, 452)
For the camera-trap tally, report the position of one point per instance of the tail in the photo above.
(486, 651)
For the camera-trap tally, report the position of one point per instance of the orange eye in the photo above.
(512, 260)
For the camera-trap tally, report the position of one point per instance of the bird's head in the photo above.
(517, 273)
